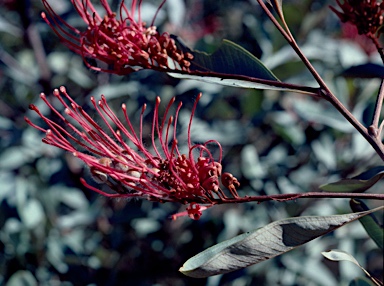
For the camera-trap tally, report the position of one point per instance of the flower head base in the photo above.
(123, 43)
(129, 168)
(366, 15)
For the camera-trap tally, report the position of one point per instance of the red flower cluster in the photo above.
(125, 44)
(366, 15)
(127, 166)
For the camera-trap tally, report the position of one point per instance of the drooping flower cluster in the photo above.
(366, 15)
(126, 166)
(122, 42)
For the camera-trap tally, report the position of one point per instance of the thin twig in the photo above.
(290, 197)
(379, 48)
(274, 21)
(376, 116)
(327, 93)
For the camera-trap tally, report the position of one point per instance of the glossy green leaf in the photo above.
(356, 184)
(369, 222)
(232, 65)
(232, 59)
(262, 244)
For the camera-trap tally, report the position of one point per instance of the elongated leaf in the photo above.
(229, 58)
(369, 222)
(232, 65)
(357, 184)
(233, 82)
(339, 255)
(269, 241)
(361, 281)
(368, 70)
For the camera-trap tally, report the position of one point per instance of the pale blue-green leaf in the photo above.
(12, 225)
(285, 124)
(31, 213)
(75, 219)
(22, 277)
(322, 114)
(13, 158)
(359, 183)
(144, 226)
(229, 82)
(8, 27)
(339, 255)
(250, 163)
(55, 252)
(71, 197)
(262, 244)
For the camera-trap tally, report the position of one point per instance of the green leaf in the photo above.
(369, 222)
(262, 244)
(356, 184)
(232, 65)
(368, 70)
(361, 281)
(232, 59)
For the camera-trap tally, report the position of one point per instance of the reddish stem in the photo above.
(290, 197)
(374, 129)
(374, 141)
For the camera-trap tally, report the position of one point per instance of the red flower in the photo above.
(123, 43)
(128, 167)
(366, 15)
(349, 31)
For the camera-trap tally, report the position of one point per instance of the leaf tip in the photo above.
(192, 273)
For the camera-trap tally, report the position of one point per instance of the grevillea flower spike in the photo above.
(366, 15)
(117, 157)
(123, 42)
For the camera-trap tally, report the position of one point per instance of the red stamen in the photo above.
(160, 175)
(124, 43)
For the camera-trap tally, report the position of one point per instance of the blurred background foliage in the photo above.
(53, 231)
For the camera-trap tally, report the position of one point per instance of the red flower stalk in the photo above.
(127, 166)
(125, 44)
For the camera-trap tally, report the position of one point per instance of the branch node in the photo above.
(373, 131)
